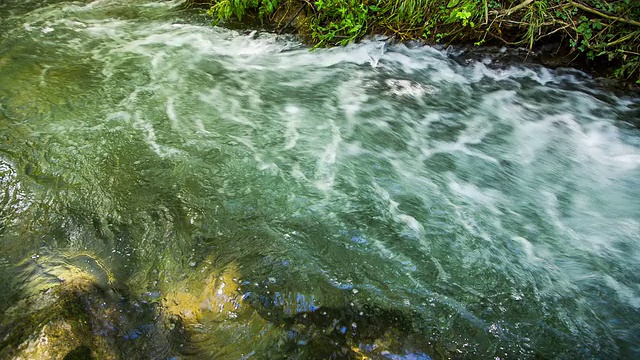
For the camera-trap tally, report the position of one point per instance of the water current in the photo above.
(173, 190)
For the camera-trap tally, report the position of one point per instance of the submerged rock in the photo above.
(216, 297)
(73, 310)
(58, 317)
(220, 318)
(216, 321)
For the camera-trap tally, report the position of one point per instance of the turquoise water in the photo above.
(377, 199)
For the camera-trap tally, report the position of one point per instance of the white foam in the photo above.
(229, 110)
(326, 173)
(171, 113)
(625, 293)
(600, 142)
(487, 198)
(363, 117)
(597, 143)
(150, 137)
(527, 248)
(291, 132)
(412, 226)
(368, 52)
(401, 87)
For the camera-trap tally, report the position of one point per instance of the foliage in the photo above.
(593, 30)
(340, 21)
(225, 9)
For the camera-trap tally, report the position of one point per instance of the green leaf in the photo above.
(597, 25)
(355, 29)
(452, 3)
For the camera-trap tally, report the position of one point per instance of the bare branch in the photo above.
(601, 14)
(517, 7)
(623, 39)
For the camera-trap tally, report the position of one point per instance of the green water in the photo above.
(370, 200)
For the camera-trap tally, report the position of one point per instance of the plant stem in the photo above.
(601, 14)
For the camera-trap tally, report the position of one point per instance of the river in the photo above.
(190, 191)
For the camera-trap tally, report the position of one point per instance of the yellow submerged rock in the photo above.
(52, 321)
(217, 318)
(217, 297)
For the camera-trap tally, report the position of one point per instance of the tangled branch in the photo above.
(603, 15)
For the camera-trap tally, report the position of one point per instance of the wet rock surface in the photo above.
(72, 314)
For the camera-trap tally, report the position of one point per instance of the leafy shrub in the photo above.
(594, 30)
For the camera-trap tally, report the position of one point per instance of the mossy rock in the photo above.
(70, 310)
(55, 322)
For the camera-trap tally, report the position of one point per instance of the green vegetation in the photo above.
(593, 31)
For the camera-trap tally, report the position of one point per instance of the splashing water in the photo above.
(413, 206)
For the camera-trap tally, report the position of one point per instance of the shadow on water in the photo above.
(69, 313)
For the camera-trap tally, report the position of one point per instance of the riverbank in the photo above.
(600, 37)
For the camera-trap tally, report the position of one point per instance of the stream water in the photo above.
(373, 200)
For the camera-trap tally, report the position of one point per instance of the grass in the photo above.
(591, 31)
